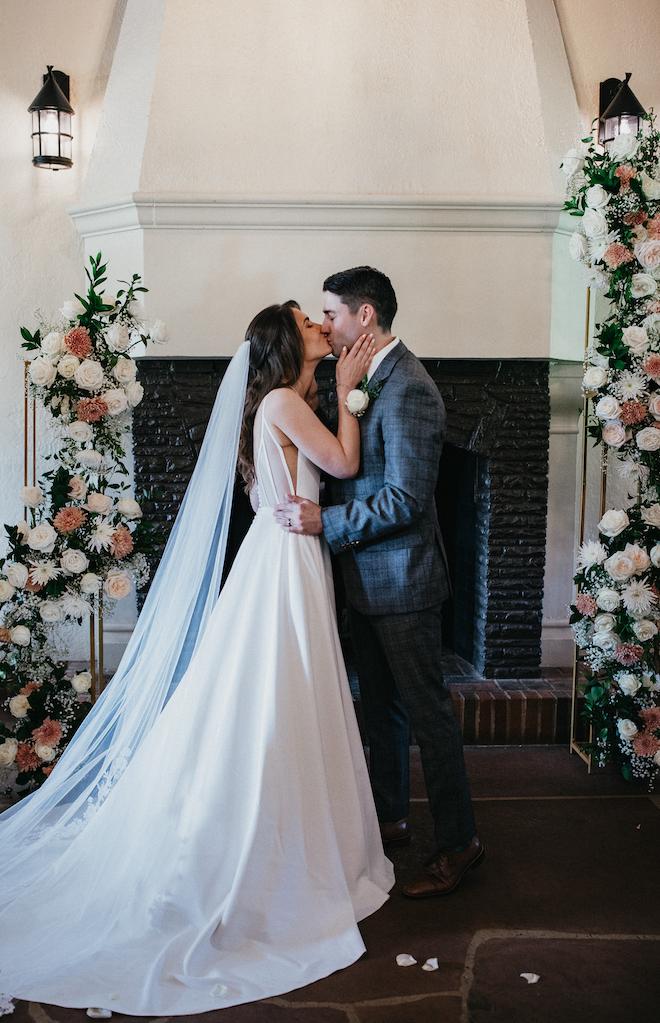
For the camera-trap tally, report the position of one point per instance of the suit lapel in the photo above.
(388, 364)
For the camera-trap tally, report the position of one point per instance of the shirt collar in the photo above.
(379, 356)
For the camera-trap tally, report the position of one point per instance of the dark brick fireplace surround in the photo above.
(491, 494)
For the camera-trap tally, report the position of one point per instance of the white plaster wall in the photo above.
(41, 253)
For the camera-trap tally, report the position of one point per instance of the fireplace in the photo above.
(491, 493)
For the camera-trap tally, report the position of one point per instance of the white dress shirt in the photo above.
(379, 356)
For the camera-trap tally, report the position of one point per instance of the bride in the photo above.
(209, 836)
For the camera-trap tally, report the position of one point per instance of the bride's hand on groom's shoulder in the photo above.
(298, 515)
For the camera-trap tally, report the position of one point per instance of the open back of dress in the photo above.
(236, 853)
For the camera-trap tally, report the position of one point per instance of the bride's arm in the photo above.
(340, 455)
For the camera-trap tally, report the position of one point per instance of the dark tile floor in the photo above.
(568, 891)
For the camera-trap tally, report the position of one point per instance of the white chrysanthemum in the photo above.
(631, 470)
(596, 279)
(591, 553)
(43, 571)
(638, 597)
(74, 606)
(599, 244)
(629, 386)
(101, 538)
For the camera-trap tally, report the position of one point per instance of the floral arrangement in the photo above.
(85, 537)
(616, 613)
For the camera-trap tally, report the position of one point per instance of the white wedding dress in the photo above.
(233, 858)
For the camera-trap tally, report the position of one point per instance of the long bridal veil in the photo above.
(38, 829)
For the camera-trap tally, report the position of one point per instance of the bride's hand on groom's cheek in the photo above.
(298, 515)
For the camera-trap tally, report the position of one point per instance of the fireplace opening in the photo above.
(459, 500)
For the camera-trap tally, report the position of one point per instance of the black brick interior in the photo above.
(491, 495)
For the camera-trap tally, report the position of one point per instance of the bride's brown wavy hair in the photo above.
(276, 358)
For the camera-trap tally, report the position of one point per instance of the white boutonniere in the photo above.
(357, 401)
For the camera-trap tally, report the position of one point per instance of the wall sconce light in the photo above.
(620, 110)
(51, 123)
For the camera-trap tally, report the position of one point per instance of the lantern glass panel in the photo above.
(65, 147)
(65, 122)
(49, 120)
(629, 124)
(50, 145)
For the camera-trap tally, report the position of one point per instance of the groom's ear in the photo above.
(367, 315)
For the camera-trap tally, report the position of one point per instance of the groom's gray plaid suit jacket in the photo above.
(383, 523)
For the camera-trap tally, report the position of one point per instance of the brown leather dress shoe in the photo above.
(397, 833)
(443, 873)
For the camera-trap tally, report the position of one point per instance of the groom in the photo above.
(384, 528)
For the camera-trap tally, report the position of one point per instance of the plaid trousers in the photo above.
(402, 686)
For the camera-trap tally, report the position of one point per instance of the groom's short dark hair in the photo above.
(365, 284)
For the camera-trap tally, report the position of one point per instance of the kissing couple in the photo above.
(210, 836)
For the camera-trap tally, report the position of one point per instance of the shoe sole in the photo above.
(447, 891)
(396, 841)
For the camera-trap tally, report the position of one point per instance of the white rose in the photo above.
(614, 434)
(21, 635)
(23, 531)
(90, 583)
(50, 611)
(73, 562)
(159, 333)
(125, 371)
(628, 684)
(19, 706)
(594, 377)
(53, 343)
(90, 459)
(77, 488)
(116, 401)
(597, 197)
(655, 555)
(608, 408)
(42, 372)
(572, 163)
(109, 300)
(608, 599)
(97, 503)
(8, 751)
(606, 641)
(134, 393)
(619, 566)
(648, 439)
(594, 223)
(627, 729)
(577, 247)
(604, 623)
(623, 147)
(17, 574)
(72, 309)
(117, 338)
(645, 630)
(80, 432)
(89, 375)
(42, 538)
(118, 585)
(636, 338)
(44, 752)
(650, 187)
(613, 522)
(67, 366)
(7, 591)
(642, 285)
(82, 682)
(651, 515)
(638, 556)
(129, 508)
(647, 253)
(652, 322)
(31, 496)
(357, 401)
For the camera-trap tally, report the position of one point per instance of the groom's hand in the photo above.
(298, 515)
